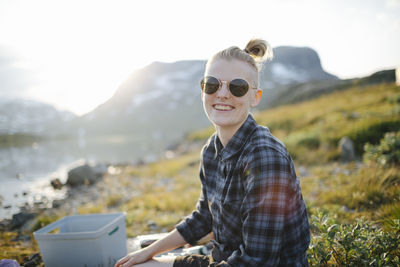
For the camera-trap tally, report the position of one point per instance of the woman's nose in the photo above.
(224, 90)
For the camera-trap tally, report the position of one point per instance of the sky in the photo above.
(74, 54)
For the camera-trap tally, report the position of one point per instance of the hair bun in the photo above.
(259, 49)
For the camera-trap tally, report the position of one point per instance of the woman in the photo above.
(251, 198)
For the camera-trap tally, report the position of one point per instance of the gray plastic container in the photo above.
(93, 240)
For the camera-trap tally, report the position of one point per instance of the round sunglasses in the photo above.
(238, 87)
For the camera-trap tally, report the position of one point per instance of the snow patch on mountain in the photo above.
(284, 75)
(29, 116)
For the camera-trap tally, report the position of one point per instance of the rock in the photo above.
(56, 184)
(152, 225)
(140, 162)
(33, 261)
(346, 209)
(58, 203)
(29, 225)
(303, 172)
(19, 219)
(40, 202)
(5, 224)
(82, 175)
(100, 169)
(346, 147)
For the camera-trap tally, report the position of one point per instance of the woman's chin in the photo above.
(223, 123)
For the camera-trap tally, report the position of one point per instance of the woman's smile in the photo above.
(223, 107)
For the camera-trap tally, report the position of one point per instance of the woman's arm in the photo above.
(275, 225)
(171, 241)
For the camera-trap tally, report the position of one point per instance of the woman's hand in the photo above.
(133, 258)
(167, 243)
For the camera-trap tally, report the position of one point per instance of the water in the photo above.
(26, 172)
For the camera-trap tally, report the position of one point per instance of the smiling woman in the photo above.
(250, 200)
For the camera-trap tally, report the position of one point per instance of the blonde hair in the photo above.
(255, 52)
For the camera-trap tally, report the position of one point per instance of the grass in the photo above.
(363, 114)
(16, 140)
(311, 131)
(17, 250)
(167, 190)
(369, 191)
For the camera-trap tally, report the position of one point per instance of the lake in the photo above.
(26, 172)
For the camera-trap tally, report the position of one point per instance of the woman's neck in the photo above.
(225, 134)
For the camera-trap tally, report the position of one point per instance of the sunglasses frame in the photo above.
(227, 84)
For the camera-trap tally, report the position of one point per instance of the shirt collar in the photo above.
(237, 141)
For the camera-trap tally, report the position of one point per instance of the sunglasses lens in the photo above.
(238, 87)
(210, 84)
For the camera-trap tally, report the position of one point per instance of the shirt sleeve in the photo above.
(269, 187)
(199, 223)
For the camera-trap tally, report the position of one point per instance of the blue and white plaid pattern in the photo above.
(251, 200)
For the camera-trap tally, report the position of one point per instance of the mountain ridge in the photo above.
(162, 100)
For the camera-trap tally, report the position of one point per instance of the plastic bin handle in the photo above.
(49, 228)
(113, 231)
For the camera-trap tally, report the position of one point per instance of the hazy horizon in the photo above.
(75, 54)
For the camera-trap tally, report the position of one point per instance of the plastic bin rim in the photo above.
(43, 232)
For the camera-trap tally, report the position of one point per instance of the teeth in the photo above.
(223, 107)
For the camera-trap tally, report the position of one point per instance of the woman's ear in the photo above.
(257, 98)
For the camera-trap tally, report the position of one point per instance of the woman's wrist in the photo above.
(149, 252)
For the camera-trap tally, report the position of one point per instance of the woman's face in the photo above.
(223, 109)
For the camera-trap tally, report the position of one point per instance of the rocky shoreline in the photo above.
(85, 184)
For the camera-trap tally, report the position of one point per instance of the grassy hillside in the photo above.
(354, 207)
(346, 202)
(311, 130)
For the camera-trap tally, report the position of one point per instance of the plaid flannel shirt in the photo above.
(251, 200)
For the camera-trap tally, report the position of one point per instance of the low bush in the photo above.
(361, 243)
(372, 132)
(387, 152)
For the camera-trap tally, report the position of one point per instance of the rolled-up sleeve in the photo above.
(199, 223)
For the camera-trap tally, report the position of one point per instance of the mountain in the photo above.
(309, 90)
(293, 65)
(24, 116)
(157, 102)
(162, 101)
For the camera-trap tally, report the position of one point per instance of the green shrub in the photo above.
(387, 152)
(309, 142)
(305, 139)
(357, 244)
(283, 124)
(372, 133)
(44, 220)
(394, 99)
